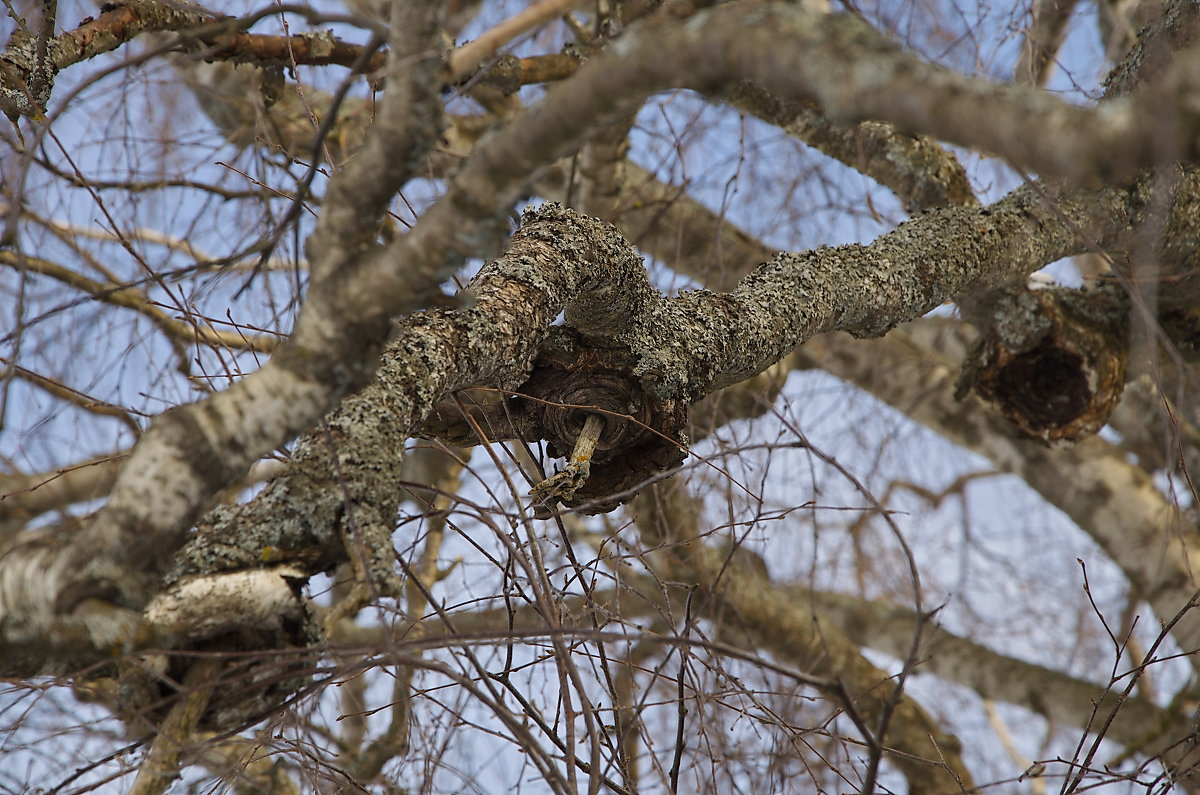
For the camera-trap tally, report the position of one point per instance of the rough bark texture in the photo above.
(684, 347)
(1115, 178)
(555, 257)
(1052, 362)
(922, 174)
(193, 451)
(25, 92)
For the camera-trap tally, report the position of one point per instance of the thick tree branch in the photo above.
(161, 766)
(1059, 698)
(922, 174)
(906, 381)
(505, 156)
(555, 259)
(125, 590)
(410, 120)
(191, 452)
(641, 601)
(701, 342)
(686, 347)
(667, 223)
(881, 368)
(23, 497)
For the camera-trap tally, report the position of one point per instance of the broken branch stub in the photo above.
(1052, 361)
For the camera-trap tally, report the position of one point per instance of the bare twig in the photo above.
(681, 709)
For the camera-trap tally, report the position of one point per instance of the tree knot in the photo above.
(573, 379)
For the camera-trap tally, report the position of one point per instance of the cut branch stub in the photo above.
(572, 379)
(1052, 361)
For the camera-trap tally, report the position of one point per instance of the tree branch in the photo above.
(1043, 38)
(117, 25)
(782, 624)
(1112, 500)
(686, 347)
(178, 331)
(922, 174)
(1061, 699)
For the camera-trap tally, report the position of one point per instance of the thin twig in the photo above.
(680, 703)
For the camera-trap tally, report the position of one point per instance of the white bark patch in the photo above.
(204, 607)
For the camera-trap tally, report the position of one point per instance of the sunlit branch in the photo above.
(466, 59)
(922, 173)
(24, 496)
(74, 396)
(1110, 498)
(131, 298)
